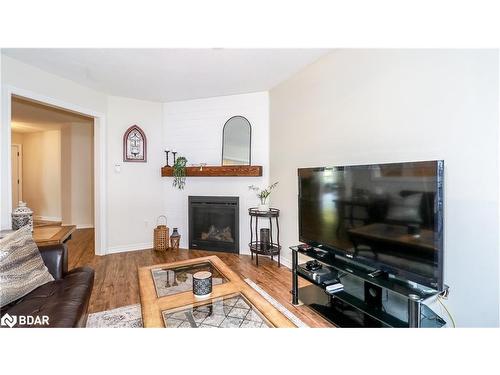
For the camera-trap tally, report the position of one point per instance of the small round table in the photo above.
(258, 245)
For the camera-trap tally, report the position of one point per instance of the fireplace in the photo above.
(214, 224)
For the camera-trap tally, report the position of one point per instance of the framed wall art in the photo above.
(134, 145)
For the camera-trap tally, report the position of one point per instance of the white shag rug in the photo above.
(130, 316)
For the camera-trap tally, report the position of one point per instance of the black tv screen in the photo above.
(387, 216)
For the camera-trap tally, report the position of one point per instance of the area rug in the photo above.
(122, 317)
(130, 316)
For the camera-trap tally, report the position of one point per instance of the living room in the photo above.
(255, 188)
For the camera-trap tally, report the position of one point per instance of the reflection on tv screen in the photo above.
(387, 215)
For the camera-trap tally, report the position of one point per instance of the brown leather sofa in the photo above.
(65, 300)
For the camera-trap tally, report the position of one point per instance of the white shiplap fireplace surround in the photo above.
(193, 128)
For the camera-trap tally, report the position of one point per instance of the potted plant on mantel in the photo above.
(179, 172)
(263, 195)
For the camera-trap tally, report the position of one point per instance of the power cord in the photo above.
(446, 292)
(447, 311)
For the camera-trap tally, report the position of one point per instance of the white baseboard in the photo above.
(286, 262)
(84, 226)
(47, 218)
(132, 247)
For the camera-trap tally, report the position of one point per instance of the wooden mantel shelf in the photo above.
(218, 171)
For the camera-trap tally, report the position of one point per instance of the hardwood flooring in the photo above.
(116, 280)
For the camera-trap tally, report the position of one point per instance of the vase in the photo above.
(265, 241)
(264, 207)
(175, 239)
(22, 216)
(202, 284)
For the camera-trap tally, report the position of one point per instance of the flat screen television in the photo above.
(386, 216)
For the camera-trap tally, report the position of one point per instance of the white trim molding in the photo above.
(47, 218)
(132, 247)
(286, 262)
(84, 226)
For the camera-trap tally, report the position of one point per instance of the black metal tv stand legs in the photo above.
(295, 279)
(414, 310)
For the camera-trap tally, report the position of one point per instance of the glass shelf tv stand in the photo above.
(404, 304)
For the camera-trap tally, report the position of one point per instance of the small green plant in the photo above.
(179, 172)
(263, 194)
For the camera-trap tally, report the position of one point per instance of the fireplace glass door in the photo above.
(213, 224)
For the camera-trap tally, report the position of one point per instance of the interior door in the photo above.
(16, 175)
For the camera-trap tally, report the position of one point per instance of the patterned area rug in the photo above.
(130, 316)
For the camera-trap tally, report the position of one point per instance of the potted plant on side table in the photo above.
(263, 195)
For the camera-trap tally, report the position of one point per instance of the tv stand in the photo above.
(346, 309)
(378, 273)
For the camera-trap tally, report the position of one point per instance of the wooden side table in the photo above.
(48, 235)
(52, 235)
(258, 245)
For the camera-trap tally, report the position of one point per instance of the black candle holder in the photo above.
(174, 153)
(166, 153)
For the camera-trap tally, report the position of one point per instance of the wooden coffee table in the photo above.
(167, 299)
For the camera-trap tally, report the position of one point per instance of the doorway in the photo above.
(57, 166)
(99, 158)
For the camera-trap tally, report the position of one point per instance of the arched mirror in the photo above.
(236, 141)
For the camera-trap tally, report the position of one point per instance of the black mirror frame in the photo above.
(250, 140)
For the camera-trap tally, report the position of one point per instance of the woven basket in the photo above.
(160, 236)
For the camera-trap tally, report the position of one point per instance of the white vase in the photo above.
(22, 216)
(264, 207)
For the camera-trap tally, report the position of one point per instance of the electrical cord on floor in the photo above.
(447, 311)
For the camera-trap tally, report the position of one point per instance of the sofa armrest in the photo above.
(55, 258)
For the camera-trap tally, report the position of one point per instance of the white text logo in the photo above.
(8, 320)
(24, 320)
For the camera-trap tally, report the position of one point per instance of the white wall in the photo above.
(24, 76)
(194, 129)
(17, 138)
(77, 174)
(42, 174)
(371, 106)
(135, 195)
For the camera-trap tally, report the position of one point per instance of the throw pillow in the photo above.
(21, 266)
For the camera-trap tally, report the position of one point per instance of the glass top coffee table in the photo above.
(167, 299)
(171, 280)
(231, 311)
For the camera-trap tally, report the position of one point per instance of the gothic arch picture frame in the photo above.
(135, 145)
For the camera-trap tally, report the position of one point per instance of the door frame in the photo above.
(100, 181)
(19, 169)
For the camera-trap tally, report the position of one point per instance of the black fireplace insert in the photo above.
(214, 223)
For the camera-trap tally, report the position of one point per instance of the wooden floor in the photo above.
(116, 282)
